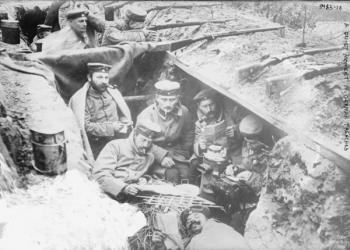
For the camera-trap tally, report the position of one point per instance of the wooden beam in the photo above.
(335, 155)
(137, 98)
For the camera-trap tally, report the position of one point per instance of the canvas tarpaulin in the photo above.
(70, 66)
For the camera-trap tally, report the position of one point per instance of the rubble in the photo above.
(305, 198)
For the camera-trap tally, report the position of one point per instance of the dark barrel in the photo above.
(49, 151)
(39, 46)
(10, 31)
(3, 16)
(109, 14)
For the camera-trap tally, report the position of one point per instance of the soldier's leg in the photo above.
(186, 172)
(172, 175)
(169, 174)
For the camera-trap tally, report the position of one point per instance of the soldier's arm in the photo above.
(96, 128)
(115, 35)
(196, 148)
(96, 23)
(188, 133)
(103, 170)
(159, 153)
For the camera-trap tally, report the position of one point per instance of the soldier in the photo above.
(254, 153)
(100, 110)
(124, 161)
(177, 135)
(74, 35)
(42, 32)
(131, 28)
(251, 171)
(204, 233)
(210, 112)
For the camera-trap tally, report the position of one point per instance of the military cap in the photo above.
(250, 125)
(147, 128)
(166, 87)
(205, 94)
(43, 27)
(194, 209)
(98, 67)
(75, 13)
(135, 13)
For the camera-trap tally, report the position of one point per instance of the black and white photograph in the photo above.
(174, 125)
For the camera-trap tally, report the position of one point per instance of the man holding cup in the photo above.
(101, 111)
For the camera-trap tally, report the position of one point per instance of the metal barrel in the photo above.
(39, 46)
(49, 152)
(109, 14)
(4, 16)
(10, 31)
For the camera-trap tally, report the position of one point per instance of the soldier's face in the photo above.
(43, 34)
(142, 143)
(99, 81)
(208, 108)
(167, 103)
(79, 24)
(195, 222)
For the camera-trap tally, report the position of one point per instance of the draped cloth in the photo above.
(70, 66)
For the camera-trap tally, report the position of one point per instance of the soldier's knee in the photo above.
(172, 175)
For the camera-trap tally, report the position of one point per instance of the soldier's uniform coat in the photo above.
(233, 144)
(176, 137)
(78, 104)
(119, 164)
(216, 235)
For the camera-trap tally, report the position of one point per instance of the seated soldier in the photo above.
(211, 113)
(251, 171)
(254, 153)
(131, 28)
(74, 35)
(42, 32)
(101, 111)
(204, 233)
(176, 138)
(215, 130)
(123, 162)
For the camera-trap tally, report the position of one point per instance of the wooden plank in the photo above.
(335, 155)
(137, 98)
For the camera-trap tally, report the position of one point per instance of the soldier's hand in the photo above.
(117, 126)
(167, 162)
(202, 142)
(131, 189)
(150, 35)
(230, 131)
(158, 239)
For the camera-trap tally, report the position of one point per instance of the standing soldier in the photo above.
(75, 35)
(100, 110)
(176, 138)
(131, 28)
